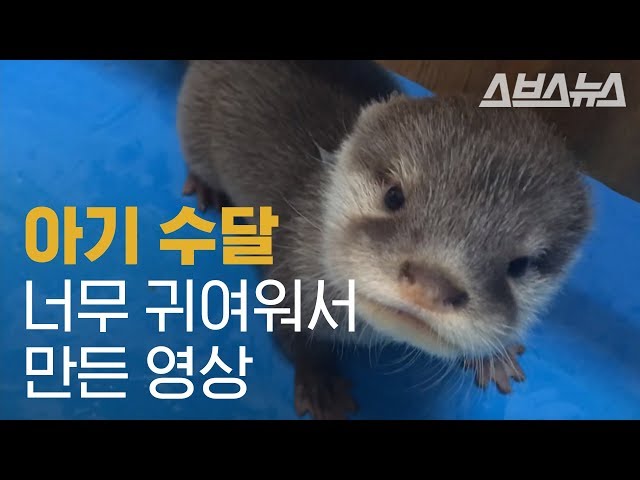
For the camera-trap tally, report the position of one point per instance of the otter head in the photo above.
(457, 223)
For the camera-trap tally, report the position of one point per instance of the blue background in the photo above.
(102, 133)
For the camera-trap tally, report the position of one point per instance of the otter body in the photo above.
(251, 129)
(456, 223)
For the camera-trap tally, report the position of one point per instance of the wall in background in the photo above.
(606, 139)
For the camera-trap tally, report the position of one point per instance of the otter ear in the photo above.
(371, 110)
(325, 156)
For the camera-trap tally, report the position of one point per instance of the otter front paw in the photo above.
(206, 196)
(499, 369)
(323, 396)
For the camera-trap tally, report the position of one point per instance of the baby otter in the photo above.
(456, 223)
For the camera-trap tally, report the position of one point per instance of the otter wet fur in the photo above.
(456, 223)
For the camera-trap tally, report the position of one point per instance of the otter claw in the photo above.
(500, 369)
(207, 198)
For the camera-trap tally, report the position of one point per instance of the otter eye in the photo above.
(394, 199)
(518, 267)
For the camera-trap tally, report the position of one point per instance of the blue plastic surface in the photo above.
(102, 133)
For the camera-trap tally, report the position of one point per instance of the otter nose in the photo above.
(431, 288)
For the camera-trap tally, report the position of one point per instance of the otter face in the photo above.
(456, 223)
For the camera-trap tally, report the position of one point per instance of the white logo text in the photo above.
(532, 93)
